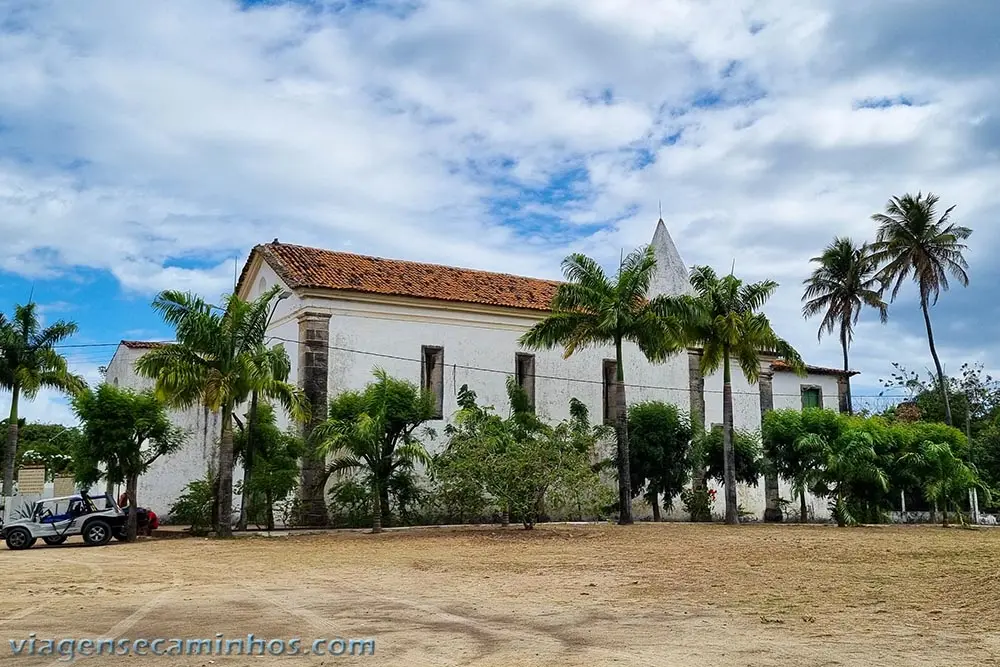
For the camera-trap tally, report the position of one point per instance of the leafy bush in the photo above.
(194, 506)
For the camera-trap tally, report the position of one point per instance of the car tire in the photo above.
(19, 538)
(97, 533)
(54, 540)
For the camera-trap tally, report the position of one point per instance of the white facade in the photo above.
(168, 476)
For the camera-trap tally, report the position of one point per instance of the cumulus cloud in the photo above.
(158, 141)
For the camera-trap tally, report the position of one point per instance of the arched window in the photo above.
(115, 382)
(263, 285)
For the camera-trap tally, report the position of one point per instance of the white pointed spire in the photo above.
(671, 274)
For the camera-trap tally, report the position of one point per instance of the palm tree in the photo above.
(275, 363)
(946, 478)
(217, 361)
(591, 310)
(724, 320)
(848, 464)
(28, 363)
(372, 432)
(844, 282)
(912, 241)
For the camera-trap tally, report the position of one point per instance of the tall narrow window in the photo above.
(432, 376)
(610, 391)
(524, 373)
(812, 397)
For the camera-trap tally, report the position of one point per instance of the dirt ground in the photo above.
(666, 594)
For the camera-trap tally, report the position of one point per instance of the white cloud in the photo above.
(158, 140)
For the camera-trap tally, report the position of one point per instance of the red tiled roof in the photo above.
(304, 267)
(143, 344)
(783, 367)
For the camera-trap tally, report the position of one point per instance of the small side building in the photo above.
(168, 476)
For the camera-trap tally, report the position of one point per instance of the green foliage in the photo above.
(275, 471)
(914, 242)
(660, 447)
(220, 358)
(371, 433)
(747, 450)
(724, 318)
(194, 506)
(521, 462)
(592, 309)
(698, 503)
(50, 445)
(124, 432)
(28, 363)
(946, 478)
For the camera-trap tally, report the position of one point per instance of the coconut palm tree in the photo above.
(217, 362)
(725, 321)
(840, 287)
(371, 432)
(28, 363)
(914, 242)
(591, 310)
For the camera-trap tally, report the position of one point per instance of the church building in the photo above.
(442, 327)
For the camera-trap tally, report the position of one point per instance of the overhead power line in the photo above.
(480, 369)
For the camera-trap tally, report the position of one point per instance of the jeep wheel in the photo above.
(54, 540)
(19, 538)
(97, 533)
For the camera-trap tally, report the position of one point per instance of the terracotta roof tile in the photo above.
(783, 367)
(304, 267)
(143, 344)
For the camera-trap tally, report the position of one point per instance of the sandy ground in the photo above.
(667, 594)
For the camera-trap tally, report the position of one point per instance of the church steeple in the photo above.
(671, 274)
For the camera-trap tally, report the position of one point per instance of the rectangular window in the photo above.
(812, 397)
(432, 376)
(610, 391)
(524, 373)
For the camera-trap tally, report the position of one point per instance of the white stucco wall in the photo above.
(168, 476)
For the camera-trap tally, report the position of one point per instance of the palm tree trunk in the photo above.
(937, 362)
(376, 508)
(248, 463)
(10, 454)
(803, 515)
(654, 500)
(131, 490)
(505, 516)
(728, 454)
(847, 369)
(621, 426)
(224, 518)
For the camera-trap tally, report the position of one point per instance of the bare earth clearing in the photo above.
(667, 594)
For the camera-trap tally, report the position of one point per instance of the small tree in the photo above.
(519, 460)
(944, 476)
(276, 464)
(748, 462)
(372, 432)
(124, 432)
(660, 447)
(791, 445)
(850, 463)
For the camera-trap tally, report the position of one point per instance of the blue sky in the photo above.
(147, 145)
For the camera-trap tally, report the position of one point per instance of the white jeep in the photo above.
(96, 518)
